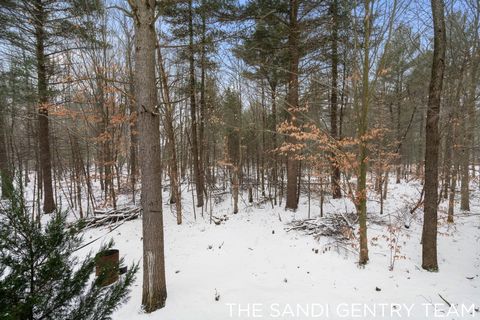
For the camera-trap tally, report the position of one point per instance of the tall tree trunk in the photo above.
(197, 166)
(43, 130)
(154, 285)
(292, 103)
(452, 143)
(447, 158)
(235, 187)
(454, 158)
(362, 131)
(429, 236)
(203, 105)
(5, 168)
(399, 134)
(133, 119)
(343, 96)
(263, 147)
(335, 177)
(451, 195)
(175, 186)
(273, 93)
(464, 162)
(470, 127)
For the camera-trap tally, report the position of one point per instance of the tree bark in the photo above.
(292, 103)
(203, 106)
(447, 158)
(399, 134)
(133, 119)
(429, 236)
(197, 167)
(43, 130)
(335, 177)
(273, 93)
(169, 126)
(361, 197)
(470, 127)
(154, 285)
(5, 168)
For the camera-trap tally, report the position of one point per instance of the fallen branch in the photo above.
(219, 220)
(337, 226)
(419, 203)
(448, 303)
(111, 216)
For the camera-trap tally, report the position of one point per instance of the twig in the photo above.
(448, 303)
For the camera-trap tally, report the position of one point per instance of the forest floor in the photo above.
(254, 266)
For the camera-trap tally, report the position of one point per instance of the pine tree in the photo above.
(335, 176)
(264, 50)
(44, 29)
(40, 276)
(191, 24)
(184, 14)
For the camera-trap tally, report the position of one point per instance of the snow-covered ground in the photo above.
(257, 269)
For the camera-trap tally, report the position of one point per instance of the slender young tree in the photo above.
(169, 128)
(362, 131)
(154, 285)
(429, 236)
(131, 104)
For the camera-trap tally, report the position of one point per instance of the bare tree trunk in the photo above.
(447, 159)
(5, 169)
(235, 187)
(197, 166)
(292, 103)
(335, 178)
(203, 106)
(343, 96)
(43, 130)
(274, 138)
(154, 285)
(263, 148)
(399, 137)
(133, 119)
(452, 147)
(385, 186)
(471, 126)
(361, 196)
(233, 120)
(175, 186)
(429, 236)
(464, 163)
(451, 194)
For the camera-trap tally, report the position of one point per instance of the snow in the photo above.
(258, 269)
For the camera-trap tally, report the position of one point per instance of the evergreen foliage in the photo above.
(40, 276)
